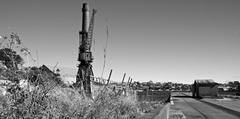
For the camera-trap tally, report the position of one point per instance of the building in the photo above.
(204, 88)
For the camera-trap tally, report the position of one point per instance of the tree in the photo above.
(231, 84)
(10, 58)
(150, 83)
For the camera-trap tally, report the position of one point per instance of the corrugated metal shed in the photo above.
(206, 87)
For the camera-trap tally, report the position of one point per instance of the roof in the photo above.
(205, 82)
(49, 72)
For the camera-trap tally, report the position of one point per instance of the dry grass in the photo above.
(49, 100)
(67, 103)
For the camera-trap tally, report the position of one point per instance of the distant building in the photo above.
(222, 88)
(204, 88)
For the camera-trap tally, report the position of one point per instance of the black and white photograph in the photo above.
(119, 59)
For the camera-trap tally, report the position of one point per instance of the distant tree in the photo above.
(236, 83)
(158, 84)
(10, 49)
(150, 83)
(231, 84)
(10, 58)
(136, 84)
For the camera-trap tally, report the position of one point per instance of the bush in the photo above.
(106, 105)
(22, 103)
(45, 98)
(66, 103)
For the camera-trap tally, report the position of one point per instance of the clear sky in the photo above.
(158, 40)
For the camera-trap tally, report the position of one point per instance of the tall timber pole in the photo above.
(85, 72)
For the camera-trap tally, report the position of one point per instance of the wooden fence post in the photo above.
(123, 77)
(128, 80)
(109, 77)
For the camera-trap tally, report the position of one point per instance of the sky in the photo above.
(158, 40)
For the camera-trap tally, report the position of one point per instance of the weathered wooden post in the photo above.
(123, 78)
(128, 80)
(109, 77)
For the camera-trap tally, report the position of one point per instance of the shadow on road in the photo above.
(185, 96)
(197, 98)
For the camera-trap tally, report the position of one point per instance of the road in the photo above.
(190, 108)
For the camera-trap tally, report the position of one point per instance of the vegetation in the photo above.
(6, 56)
(37, 92)
(150, 85)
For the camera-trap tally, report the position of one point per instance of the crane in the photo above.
(85, 72)
(91, 27)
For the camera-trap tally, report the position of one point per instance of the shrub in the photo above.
(47, 99)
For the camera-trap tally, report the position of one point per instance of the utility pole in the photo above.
(85, 72)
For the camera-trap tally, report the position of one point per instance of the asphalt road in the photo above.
(195, 109)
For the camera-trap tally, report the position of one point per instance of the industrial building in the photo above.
(204, 88)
